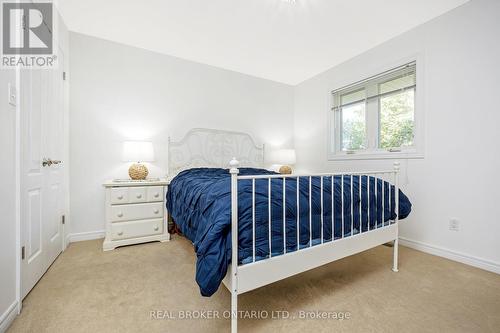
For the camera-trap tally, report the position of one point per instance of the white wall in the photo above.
(458, 178)
(8, 253)
(120, 92)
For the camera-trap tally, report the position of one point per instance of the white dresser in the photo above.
(135, 213)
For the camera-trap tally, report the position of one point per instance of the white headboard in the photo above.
(202, 147)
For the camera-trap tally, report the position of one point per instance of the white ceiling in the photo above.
(272, 39)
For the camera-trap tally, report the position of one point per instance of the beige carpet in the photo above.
(87, 290)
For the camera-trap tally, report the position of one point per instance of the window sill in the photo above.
(375, 156)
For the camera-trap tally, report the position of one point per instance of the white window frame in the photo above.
(372, 121)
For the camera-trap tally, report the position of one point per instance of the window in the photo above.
(376, 116)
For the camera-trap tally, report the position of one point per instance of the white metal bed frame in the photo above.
(203, 147)
(242, 278)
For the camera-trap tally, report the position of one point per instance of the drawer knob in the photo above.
(120, 197)
(120, 233)
(138, 196)
(157, 195)
(156, 211)
(157, 228)
(120, 214)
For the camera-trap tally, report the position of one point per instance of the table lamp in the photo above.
(138, 151)
(285, 157)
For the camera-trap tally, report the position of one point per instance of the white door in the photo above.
(42, 190)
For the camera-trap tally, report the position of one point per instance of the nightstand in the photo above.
(135, 213)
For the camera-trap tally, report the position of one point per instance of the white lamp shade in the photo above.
(284, 157)
(138, 151)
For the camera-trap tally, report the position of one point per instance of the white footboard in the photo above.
(262, 271)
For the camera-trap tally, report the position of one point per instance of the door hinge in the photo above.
(64, 76)
(23, 254)
(63, 219)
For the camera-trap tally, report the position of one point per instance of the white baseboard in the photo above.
(84, 236)
(8, 317)
(452, 255)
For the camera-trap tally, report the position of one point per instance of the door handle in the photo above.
(48, 162)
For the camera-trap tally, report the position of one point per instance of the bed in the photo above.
(251, 227)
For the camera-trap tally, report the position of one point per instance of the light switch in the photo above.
(12, 95)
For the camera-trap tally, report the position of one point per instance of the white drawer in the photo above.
(155, 193)
(137, 211)
(137, 194)
(136, 229)
(119, 195)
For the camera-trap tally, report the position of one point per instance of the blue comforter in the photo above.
(199, 201)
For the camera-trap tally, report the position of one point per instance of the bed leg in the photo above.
(395, 258)
(396, 220)
(234, 312)
(234, 244)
